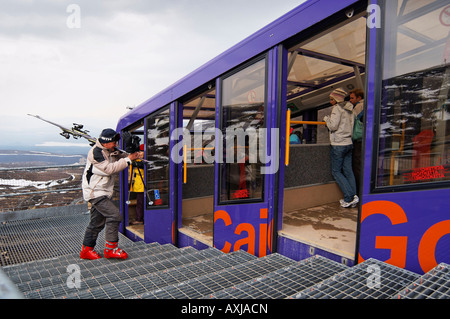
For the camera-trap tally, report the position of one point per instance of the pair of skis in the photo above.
(77, 132)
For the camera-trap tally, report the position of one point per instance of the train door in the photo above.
(134, 195)
(160, 223)
(311, 218)
(405, 218)
(243, 217)
(196, 170)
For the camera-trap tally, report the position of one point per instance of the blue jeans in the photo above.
(341, 169)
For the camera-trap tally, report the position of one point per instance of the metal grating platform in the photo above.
(435, 284)
(204, 286)
(284, 282)
(35, 255)
(94, 274)
(371, 279)
(28, 240)
(122, 271)
(135, 287)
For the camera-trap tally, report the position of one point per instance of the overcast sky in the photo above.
(87, 63)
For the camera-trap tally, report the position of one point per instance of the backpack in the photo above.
(358, 128)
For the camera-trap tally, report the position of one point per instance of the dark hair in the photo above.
(358, 93)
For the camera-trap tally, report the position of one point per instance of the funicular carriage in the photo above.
(282, 198)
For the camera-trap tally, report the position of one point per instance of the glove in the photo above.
(326, 118)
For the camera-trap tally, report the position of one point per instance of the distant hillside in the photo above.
(16, 158)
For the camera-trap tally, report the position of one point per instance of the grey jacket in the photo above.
(101, 165)
(340, 123)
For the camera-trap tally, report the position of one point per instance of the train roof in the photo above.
(291, 23)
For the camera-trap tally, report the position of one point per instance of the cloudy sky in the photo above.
(86, 61)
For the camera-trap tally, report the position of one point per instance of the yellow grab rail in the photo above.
(288, 128)
(308, 122)
(288, 131)
(185, 158)
(185, 166)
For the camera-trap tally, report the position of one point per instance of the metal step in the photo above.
(135, 287)
(118, 271)
(35, 256)
(58, 266)
(94, 268)
(435, 284)
(371, 279)
(220, 279)
(284, 282)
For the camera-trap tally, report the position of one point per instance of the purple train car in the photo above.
(220, 167)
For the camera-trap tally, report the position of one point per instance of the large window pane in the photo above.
(243, 102)
(199, 118)
(414, 118)
(158, 156)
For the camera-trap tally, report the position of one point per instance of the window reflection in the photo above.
(414, 119)
(158, 156)
(243, 102)
(199, 118)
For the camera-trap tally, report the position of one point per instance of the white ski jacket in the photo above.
(340, 123)
(101, 165)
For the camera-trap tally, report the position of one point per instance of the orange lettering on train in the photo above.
(250, 239)
(221, 214)
(398, 244)
(427, 246)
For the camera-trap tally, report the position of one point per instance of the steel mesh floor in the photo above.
(371, 279)
(29, 240)
(126, 270)
(91, 272)
(284, 282)
(137, 286)
(435, 284)
(204, 286)
(35, 255)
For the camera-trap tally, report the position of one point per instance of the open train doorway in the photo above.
(313, 218)
(197, 192)
(136, 193)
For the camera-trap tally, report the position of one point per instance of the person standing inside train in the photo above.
(357, 99)
(340, 126)
(136, 174)
(104, 160)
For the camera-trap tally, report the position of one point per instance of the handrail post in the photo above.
(288, 127)
(185, 164)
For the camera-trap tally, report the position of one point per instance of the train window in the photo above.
(414, 131)
(199, 118)
(333, 58)
(243, 102)
(158, 128)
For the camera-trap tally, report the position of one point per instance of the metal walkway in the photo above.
(40, 257)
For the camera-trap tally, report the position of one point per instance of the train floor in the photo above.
(199, 227)
(329, 227)
(137, 230)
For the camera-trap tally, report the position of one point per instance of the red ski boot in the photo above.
(112, 251)
(89, 253)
